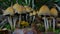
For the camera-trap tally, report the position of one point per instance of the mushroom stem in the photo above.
(33, 18)
(53, 24)
(50, 22)
(26, 17)
(14, 21)
(30, 19)
(45, 23)
(10, 21)
(19, 20)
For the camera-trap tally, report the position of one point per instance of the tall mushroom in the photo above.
(19, 10)
(9, 12)
(34, 14)
(44, 10)
(54, 14)
(28, 10)
(30, 15)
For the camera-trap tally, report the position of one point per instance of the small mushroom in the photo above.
(54, 14)
(44, 10)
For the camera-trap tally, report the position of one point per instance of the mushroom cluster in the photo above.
(44, 10)
(14, 14)
(16, 9)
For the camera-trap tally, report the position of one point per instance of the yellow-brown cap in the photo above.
(18, 8)
(28, 9)
(9, 11)
(44, 10)
(54, 12)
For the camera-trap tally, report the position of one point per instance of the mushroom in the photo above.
(54, 14)
(28, 10)
(34, 14)
(9, 12)
(30, 15)
(44, 10)
(19, 9)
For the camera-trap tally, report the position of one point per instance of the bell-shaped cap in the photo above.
(31, 14)
(9, 11)
(18, 8)
(44, 10)
(34, 12)
(54, 12)
(28, 9)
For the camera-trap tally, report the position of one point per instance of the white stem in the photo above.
(50, 23)
(14, 20)
(26, 16)
(19, 20)
(10, 21)
(30, 19)
(45, 23)
(33, 18)
(53, 24)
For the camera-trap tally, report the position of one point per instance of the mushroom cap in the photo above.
(53, 12)
(34, 12)
(31, 14)
(9, 11)
(18, 8)
(44, 10)
(28, 9)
